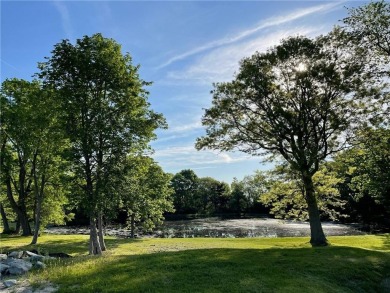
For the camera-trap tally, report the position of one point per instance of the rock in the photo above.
(39, 265)
(10, 283)
(34, 256)
(16, 254)
(18, 266)
(3, 256)
(3, 267)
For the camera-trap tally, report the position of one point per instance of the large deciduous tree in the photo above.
(106, 113)
(294, 101)
(31, 163)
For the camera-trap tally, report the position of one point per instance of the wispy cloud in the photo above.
(8, 64)
(221, 63)
(189, 157)
(186, 127)
(65, 18)
(270, 22)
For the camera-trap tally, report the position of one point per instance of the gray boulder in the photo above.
(10, 283)
(16, 254)
(3, 256)
(18, 266)
(34, 256)
(39, 265)
(3, 267)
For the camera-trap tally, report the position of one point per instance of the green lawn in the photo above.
(350, 264)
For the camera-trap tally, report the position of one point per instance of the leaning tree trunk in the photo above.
(6, 229)
(317, 236)
(94, 244)
(101, 232)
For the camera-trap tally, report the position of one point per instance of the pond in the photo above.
(232, 228)
(224, 228)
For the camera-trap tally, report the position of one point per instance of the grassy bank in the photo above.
(350, 264)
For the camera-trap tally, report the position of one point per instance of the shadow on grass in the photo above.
(386, 241)
(65, 243)
(75, 245)
(329, 269)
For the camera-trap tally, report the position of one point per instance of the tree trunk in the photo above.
(37, 224)
(101, 232)
(17, 228)
(20, 210)
(39, 193)
(317, 236)
(94, 244)
(26, 229)
(132, 225)
(6, 229)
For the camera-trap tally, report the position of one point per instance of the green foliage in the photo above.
(32, 147)
(146, 192)
(285, 195)
(366, 33)
(202, 196)
(366, 176)
(185, 185)
(245, 193)
(369, 27)
(213, 195)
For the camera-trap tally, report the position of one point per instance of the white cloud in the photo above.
(188, 157)
(65, 18)
(268, 23)
(186, 127)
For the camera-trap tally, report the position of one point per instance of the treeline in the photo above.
(353, 187)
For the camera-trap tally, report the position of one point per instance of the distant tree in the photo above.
(294, 101)
(146, 193)
(245, 193)
(213, 195)
(105, 110)
(238, 202)
(185, 197)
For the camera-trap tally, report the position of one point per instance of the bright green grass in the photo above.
(350, 264)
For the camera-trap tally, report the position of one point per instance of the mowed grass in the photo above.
(350, 264)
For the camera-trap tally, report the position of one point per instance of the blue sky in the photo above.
(182, 46)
